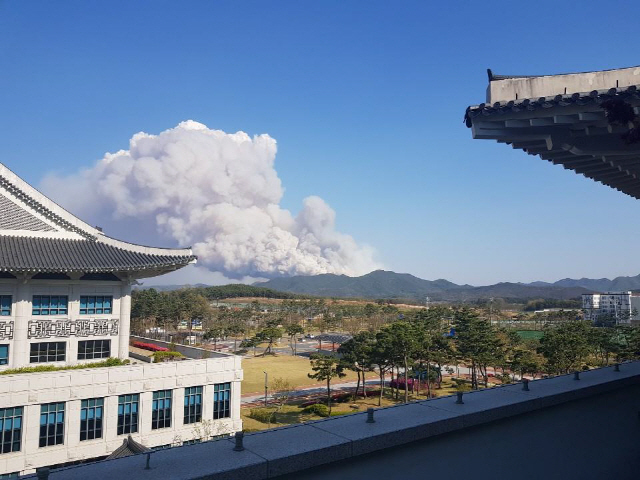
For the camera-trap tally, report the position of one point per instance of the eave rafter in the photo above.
(568, 130)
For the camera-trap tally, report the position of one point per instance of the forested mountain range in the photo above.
(618, 284)
(385, 284)
(382, 284)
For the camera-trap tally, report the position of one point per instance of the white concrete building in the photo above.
(624, 307)
(65, 299)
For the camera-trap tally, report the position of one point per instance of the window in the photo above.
(5, 305)
(128, 413)
(4, 354)
(161, 411)
(49, 305)
(47, 352)
(8, 476)
(91, 418)
(192, 404)
(10, 429)
(90, 349)
(95, 305)
(51, 424)
(221, 400)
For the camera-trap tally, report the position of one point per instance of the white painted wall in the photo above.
(22, 294)
(30, 390)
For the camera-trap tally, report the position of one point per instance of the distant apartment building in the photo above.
(65, 301)
(623, 307)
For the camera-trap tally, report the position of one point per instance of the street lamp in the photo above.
(266, 386)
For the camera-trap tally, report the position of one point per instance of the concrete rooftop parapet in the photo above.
(290, 450)
(504, 89)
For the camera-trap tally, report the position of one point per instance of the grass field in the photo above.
(294, 369)
(530, 334)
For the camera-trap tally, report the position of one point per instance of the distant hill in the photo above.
(168, 288)
(514, 291)
(618, 284)
(377, 284)
(385, 284)
(232, 290)
(391, 285)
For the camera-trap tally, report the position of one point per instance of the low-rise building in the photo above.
(65, 301)
(621, 307)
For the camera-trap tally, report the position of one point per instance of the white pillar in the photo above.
(124, 326)
(20, 353)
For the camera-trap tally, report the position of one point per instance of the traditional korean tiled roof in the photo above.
(129, 447)
(561, 120)
(594, 97)
(34, 254)
(37, 235)
(12, 217)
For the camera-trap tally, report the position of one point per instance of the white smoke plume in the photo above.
(218, 192)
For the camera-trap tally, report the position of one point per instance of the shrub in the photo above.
(162, 356)
(317, 409)
(341, 397)
(371, 393)
(399, 383)
(310, 402)
(149, 346)
(110, 362)
(263, 415)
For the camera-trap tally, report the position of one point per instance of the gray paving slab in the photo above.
(564, 388)
(485, 406)
(210, 460)
(294, 448)
(393, 426)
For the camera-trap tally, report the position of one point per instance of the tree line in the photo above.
(418, 348)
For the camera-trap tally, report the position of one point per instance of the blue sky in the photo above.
(365, 100)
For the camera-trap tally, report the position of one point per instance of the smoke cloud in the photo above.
(218, 192)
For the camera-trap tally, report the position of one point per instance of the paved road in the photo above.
(303, 392)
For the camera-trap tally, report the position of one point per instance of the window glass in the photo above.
(222, 400)
(51, 424)
(161, 409)
(91, 413)
(95, 305)
(5, 305)
(90, 349)
(192, 405)
(128, 413)
(49, 305)
(47, 352)
(4, 354)
(10, 429)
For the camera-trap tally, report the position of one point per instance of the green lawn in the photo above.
(294, 369)
(530, 334)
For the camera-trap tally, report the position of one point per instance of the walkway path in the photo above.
(312, 390)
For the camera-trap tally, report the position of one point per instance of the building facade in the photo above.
(623, 307)
(65, 301)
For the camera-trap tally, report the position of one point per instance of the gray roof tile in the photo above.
(36, 254)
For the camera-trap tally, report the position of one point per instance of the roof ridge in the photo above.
(494, 77)
(36, 200)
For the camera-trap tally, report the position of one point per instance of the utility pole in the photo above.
(266, 387)
(490, 310)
